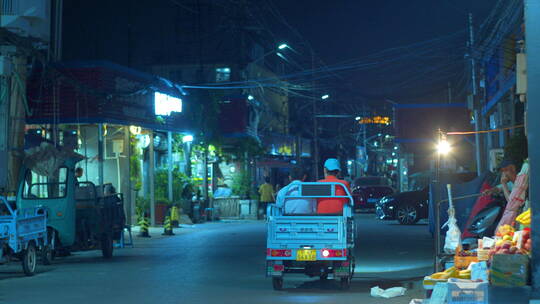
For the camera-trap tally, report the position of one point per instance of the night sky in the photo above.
(347, 30)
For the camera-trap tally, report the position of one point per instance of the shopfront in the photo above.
(128, 126)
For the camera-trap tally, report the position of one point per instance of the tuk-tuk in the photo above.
(313, 244)
(23, 234)
(81, 215)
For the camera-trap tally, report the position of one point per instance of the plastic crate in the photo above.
(467, 292)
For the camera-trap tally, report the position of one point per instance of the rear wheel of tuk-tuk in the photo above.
(47, 252)
(107, 245)
(29, 259)
(345, 283)
(277, 283)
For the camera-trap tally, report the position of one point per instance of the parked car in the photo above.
(367, 191)
(405, 207)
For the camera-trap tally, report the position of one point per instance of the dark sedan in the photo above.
(367, 191)
(405, 207)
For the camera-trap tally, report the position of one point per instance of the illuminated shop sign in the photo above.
(375, 120)
(166, 104)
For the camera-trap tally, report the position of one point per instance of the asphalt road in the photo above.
(221, 262)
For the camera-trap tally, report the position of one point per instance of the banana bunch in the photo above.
(444, 275)
(464, 274)
(525, 217)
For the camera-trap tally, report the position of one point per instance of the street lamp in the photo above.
(443, 147)
(273, 51)
(325, 96)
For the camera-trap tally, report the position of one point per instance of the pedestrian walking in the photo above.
(266, 192)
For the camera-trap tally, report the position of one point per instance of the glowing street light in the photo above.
(187, 138)
(250, 97)
(283, 46)
(325, 96)
(357, 118)
(443, 147)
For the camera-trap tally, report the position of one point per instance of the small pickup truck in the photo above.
(313, 244)
(23, 232)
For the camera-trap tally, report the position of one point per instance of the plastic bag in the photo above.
(453, 235)
(388, 293)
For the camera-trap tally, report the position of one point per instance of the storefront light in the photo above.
(157, 141)
(144, 141)
(187, 138)
(135, 130)
(166, 104)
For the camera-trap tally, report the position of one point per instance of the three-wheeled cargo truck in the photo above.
(23, 232)
(313, 244)
(81, 215)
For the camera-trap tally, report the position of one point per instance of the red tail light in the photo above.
(333, 253)
(278, 252)
(278, 268)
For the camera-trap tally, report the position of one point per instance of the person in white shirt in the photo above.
(295, 205)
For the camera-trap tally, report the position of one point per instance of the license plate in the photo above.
(306, 255)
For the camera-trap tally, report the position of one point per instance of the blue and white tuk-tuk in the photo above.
(313, 244)
(23, 232)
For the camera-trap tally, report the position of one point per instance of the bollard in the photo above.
(175, 218)
(167, 227)
(144, 223)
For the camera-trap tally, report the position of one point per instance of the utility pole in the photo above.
(532, 47)
(364, 128)
(473, 97)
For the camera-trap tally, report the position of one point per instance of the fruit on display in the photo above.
(505, 230)
(526, 240)
(525, 217)
(466, 253)
(464, 274)
(444, 275)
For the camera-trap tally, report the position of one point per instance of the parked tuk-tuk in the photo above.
(23, 232)
(81, 215)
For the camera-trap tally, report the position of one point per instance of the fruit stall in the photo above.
(500, 261)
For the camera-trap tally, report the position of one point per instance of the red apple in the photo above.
(506, 245)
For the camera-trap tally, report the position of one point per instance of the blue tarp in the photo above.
(463, 207)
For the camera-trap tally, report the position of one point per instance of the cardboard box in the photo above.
(509, 270)
(467, 292)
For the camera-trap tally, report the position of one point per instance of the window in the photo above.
(38, 186)
(223, 74)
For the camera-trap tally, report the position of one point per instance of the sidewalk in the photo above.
(156, 232)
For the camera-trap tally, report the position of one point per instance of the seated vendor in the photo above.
(333, 205)
(295, 205)
(508, 171)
